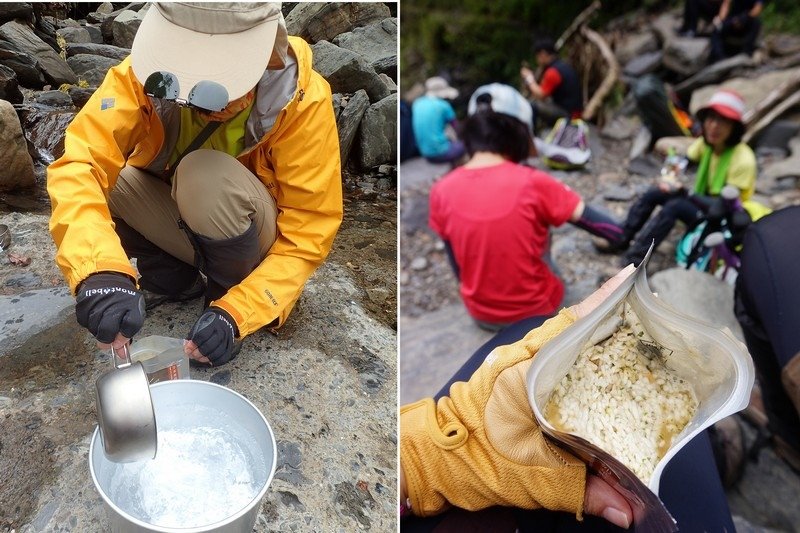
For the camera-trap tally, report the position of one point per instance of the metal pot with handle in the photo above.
(125, 412)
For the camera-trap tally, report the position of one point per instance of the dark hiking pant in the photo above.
(674, 207)
(694, 10)
(731, 40)
(767, 305)
(690, 485)
(216, 217)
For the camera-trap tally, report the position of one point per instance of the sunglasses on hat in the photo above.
(205, 95)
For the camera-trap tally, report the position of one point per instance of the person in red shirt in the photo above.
(559, 83)
(494, 215)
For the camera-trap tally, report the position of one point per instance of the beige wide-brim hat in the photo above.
(229, 43)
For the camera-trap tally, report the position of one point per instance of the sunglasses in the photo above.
(206, 95)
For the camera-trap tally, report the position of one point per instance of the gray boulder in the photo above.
(75, 34)
(635, 45)
(376, 42)
(714, 73)
(752, 90)
(378, 134)
(67, 23)
(106, 8)
(15, 10)
(124, 28)
(699, 295)
(664, 26)
(686, 55)
(91, 68)
(349, 120)
(643, 64)
(53, 99)
(104, 50)
(9, 88)
(82, 63)
(95, 34)
(390, 84)
(347, 71)
(55, 70)
(315, 21)
(80, 95)
(23, 65)
(15, 160)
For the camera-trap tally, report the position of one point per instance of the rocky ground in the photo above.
(326, 382)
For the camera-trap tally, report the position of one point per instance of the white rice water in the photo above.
(207, 469)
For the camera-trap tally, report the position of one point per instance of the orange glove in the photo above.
(482, 446)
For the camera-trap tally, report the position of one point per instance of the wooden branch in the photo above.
(612, 73)
(577, 23)
(773, 113)
(770, 100)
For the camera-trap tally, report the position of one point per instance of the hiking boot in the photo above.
(196, 290)
(727, 443)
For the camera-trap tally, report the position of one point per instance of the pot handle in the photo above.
(115, 359)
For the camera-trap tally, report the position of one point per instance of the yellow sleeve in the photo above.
(303, 163)
(96, 147)
(742, 171)
(481, 446)
(695, 150)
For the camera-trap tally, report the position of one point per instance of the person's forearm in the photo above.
(724, 9)
(533, 87)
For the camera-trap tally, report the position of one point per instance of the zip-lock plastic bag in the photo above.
(718, 367)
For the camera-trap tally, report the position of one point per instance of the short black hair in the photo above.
(545, 44)
(487, 131)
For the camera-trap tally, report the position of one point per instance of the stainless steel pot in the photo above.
(183, 396)
(125, 414)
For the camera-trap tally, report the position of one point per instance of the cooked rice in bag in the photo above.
(621, 397)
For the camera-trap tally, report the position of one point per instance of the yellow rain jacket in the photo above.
(294, 152)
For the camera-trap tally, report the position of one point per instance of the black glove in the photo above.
(107, 304)
(213, 333)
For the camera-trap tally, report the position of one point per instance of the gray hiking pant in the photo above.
(217, 217)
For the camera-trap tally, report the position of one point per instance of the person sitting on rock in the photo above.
(212, 149)
(495, 214)
(735, 24)
(433, 121)
(559, 82)
(723, 160)
(736, 29)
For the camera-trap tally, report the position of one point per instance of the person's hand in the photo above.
(211, 339)
(110, 307)
(527, 75)
(481, 446)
